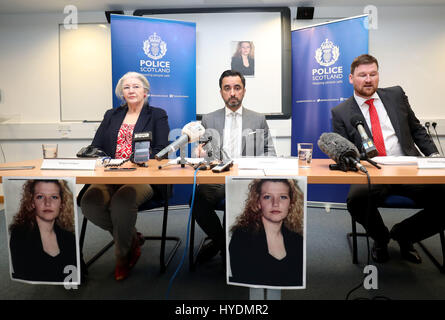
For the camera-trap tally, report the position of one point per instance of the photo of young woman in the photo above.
(243, 59)
(42, 238)
(266, 247)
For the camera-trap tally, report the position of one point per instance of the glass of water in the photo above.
(304, 155)
(49, 151)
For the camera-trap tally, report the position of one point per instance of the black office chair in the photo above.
(192, 255)
(160, 199)
(400, 202)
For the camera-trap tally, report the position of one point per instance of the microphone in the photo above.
(367, 143)
(190, 133)
(434, 124)
(142, 147)
(342, 151)
(427, 126)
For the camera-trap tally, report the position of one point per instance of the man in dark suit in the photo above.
(231, 128)
(395, 130)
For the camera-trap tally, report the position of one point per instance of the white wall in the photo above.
(409, 43)
(29, 64)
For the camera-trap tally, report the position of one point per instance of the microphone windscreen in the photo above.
(336, 147)
(194, 130)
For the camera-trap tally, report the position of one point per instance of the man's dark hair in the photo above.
(363, 59)
(232, 73)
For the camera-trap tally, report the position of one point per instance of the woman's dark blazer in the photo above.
(151, 119)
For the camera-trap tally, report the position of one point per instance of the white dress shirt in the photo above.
(392, 144)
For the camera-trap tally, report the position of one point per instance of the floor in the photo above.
(330, 273)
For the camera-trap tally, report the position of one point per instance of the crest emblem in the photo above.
(327, 54)
(154, 47)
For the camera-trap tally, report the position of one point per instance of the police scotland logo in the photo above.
(154, 47)
(327, 54)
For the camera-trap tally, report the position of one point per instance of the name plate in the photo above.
(431, 163)
(69, 164)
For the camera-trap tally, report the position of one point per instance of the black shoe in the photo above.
(379, 252)
(207, 252)
(407, 251)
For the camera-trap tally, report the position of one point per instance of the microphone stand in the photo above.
(343, 168)
(373, 163)
(437, 137)
(364, 157)
(208, 162)
(183, 161)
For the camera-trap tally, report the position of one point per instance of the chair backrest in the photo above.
(81, 193)
(396, 201)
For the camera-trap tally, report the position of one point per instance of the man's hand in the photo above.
(435, 155)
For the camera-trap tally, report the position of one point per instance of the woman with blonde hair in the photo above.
(42, 241)
(266, 247)
(243, 59)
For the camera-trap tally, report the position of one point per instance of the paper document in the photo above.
(268, 163)
(251, 172)
(189, 160)
(69, 164)
(396, 160)
(431, 163)
(281, 172)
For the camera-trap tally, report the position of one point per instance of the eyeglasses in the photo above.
(135, 87)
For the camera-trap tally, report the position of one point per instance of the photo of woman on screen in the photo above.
(243, 60)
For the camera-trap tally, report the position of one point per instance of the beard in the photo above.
(233, 102)
(366, 91)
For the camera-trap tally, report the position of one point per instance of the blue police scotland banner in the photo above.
(321, 59)
(165, 52)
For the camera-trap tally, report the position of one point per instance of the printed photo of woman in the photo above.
(42, 233)
(266, 246)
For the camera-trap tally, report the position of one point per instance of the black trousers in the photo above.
(424, 224)
(207, 199)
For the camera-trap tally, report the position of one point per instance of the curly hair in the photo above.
(251, 216)
(26, 215)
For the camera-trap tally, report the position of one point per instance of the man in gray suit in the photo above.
(399, 133)
(236, 131)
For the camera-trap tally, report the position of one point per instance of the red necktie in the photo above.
(376, 129)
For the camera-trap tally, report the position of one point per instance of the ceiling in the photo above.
(27, 6)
